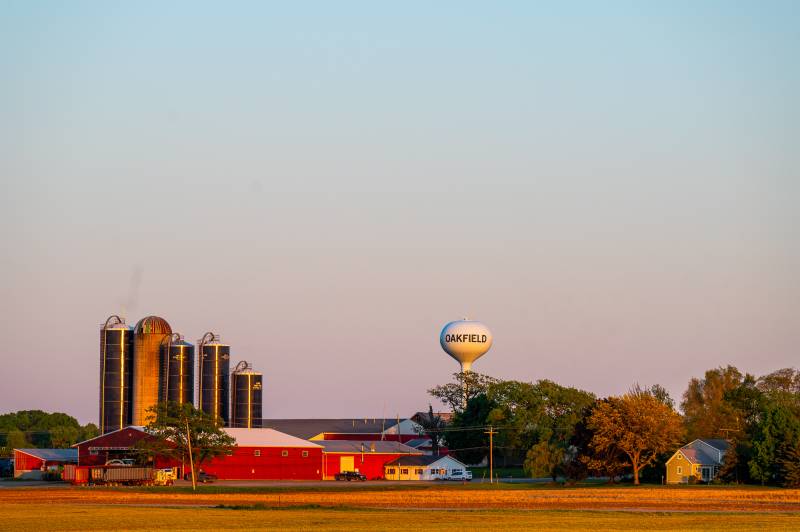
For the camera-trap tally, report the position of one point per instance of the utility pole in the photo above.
(491, 432)
(191, 460)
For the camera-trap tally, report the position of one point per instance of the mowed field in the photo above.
(386, 508)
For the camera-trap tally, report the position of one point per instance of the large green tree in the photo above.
(184, 433)
(36, 428)
(465, 386)
(773, 441)
(465, 435)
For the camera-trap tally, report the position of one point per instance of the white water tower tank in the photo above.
(466, 341)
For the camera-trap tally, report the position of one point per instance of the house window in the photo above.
(680, 470)
(284, 453)
(418, 471)
(257, 452)
(390, 471)
(305, 454)
(404, 471)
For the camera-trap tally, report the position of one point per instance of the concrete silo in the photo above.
(148, 335)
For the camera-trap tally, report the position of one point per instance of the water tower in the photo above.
(466, 341)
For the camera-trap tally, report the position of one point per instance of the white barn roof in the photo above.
(266, 438)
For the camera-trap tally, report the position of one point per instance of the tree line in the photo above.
(563, 432)
(35, 429)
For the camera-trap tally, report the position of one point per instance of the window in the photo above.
(284, 453)
(257, 452)
(680, 470)
(93, 452)
(390, 471)
(418, 471)
(305, 454)
(404, 471)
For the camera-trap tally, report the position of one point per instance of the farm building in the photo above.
(32, 463)
(422, 467)
(347, 429)
(109, 446)
(266, 454)
(700, 459)
(366, 457)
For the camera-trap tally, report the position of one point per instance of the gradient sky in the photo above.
(612, 187)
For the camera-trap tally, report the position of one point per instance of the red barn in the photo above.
(367, 457)
(32, 463)
(109, 446)
(266, 454)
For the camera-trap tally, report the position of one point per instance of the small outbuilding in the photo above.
(700, 459)
(423, 468)
(32, 464)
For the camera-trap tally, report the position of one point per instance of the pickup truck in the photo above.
(350, 475)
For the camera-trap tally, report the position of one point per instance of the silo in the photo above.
(147, 337)
(213, 377)
(176, 374)
(246, 397)
(116, 351)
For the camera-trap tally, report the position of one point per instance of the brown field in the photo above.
(601, 498)
(379, 508)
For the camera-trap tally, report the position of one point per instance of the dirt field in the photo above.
(387, 508)
(680, 499)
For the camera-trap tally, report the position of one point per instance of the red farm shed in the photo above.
(109, 446)
(266, 454)
(368, 457)
(32, 463)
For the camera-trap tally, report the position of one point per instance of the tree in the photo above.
(465, 436)
(546, 459)
(790, 465)
(705, 405)
(773, 442)
(607, 462)
(42, 429)
(174, 425)
(453, 394)
(432, 426)
(637, 424)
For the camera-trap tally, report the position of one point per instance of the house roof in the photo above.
(266, 438)
(419, 442)
(722, 445)
(355, 446)
(447, 417)
(420, 460)
(53, 455)
(308, 428)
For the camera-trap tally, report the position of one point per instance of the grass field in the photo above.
(385, 507)
(37, 517)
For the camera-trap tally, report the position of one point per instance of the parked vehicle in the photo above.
(459, 474)
(201, 476)
(127, 462)
(350, 475)
(117, 475)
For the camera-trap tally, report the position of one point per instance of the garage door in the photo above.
(346, 463)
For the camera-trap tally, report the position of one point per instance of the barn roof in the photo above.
(52, 455)
(357, 446)
(266, 437)
(308, 428)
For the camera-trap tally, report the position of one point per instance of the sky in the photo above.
(612, 187)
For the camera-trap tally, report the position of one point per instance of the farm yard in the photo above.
(298, 507)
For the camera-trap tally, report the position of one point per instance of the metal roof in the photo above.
(266, 438)
(422, 460)
(355, 446)
(419, 442)
(720, 444)
(308, 428)
(153, 325)
(53, 455)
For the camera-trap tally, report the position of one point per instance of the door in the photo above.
(346, 464)
(705, 472)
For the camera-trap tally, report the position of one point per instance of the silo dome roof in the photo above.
(153, 325)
